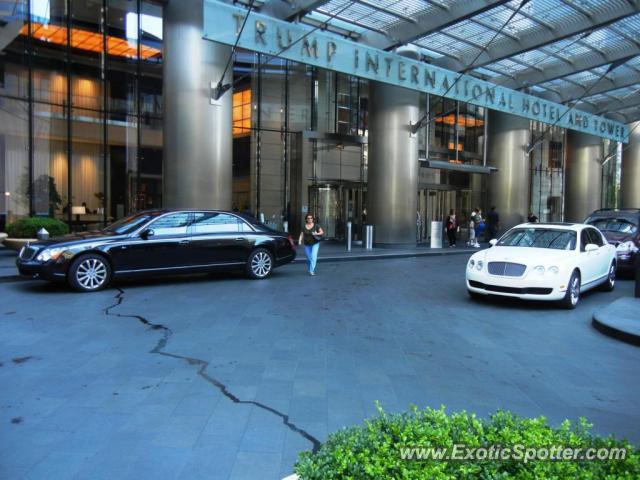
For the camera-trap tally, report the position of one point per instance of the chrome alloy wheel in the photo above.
(575, 290)
(261, 264)
(91, 273)
(612, 276)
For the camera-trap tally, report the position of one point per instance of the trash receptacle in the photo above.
(436, 234)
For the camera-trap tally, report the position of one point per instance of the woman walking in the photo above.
(452, 227)
(310, 236)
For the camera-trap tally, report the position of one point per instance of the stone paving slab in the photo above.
(222, 377)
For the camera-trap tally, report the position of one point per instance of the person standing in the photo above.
(479, 226)
(493, 224)
(531, 218)
(452, 227)
(310, 236)
(472, 229)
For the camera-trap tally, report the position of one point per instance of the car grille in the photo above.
(520, 291)
(28, 253)
(506, 269)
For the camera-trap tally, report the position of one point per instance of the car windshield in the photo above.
(539, 238)
(618, 225)
(129, 224)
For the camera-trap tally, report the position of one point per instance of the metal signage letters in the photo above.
(322, 49)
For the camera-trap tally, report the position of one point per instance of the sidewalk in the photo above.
(331, 251)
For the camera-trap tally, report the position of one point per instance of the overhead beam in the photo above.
(539, 37)
(290, 10)
(610, 106)
(426, 23)
(610, 82)
(560, 69)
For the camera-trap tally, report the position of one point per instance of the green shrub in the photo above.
(373, 451)
(28, 227)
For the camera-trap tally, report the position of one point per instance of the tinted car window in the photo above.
(614, 225)
(129, 224)
(584, 239)
(595, 237)
(173, 224)
(214, 222)
(539, 238)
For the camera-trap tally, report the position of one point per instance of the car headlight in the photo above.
(539, 269)
(472, 263)
(479, 265)
(626, 247)
(49, 254)
(553, 269)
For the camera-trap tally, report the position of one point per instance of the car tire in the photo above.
(610, 283)
(89, 273)
(259, 264)
(572, 296)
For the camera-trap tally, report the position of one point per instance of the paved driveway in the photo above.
(221, 377)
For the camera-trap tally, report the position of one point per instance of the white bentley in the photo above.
(544, 261)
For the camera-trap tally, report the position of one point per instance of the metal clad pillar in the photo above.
(630, 177)
(393, 164)
(508, 190)
(197, 135)
(583, 176)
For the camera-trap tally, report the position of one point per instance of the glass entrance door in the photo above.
(335, 205)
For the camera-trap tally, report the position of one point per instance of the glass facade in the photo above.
(81, 96)
(81, 126)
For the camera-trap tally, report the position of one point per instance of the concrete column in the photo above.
(583, 176)
(630, 176)
(197, 135)
(508, 188)
(392, 188)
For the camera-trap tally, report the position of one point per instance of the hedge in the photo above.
(28, 227)
(373, 451)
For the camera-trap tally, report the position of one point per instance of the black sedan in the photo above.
(159, 242)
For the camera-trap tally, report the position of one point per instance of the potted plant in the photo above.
(25, 230)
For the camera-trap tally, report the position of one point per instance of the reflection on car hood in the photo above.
(76, 239)
(525, 255)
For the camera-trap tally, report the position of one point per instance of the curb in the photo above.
(382, 256)
(612, 331)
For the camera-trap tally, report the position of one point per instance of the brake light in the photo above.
(291, 242)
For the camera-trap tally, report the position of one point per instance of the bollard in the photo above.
(43, 234)
(436, 234)
(348, 236)
(285, 226)
(261, 217)
(369, 237)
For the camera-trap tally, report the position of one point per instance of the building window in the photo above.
(242, 113)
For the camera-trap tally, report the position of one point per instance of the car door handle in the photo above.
(239, 239)
(184, 242)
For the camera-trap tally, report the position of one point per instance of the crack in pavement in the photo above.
(203, 365)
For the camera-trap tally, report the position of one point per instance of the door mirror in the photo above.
(493, 241)
(147, 233)
(590, 247)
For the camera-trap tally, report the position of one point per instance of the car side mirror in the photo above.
(146, 234)
(493, 241)
(590, 247)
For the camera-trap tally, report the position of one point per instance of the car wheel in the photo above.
(572, 297)
(89, 273)
(259, 264)
(609, 285)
